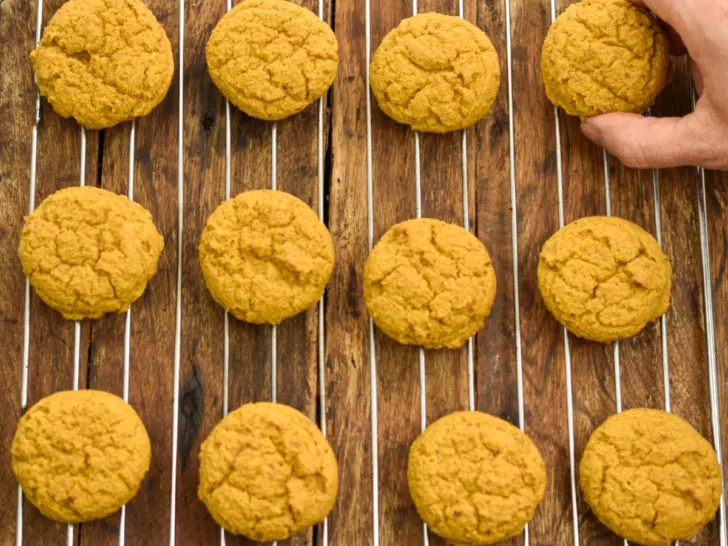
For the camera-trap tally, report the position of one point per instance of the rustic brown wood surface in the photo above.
(519, 331)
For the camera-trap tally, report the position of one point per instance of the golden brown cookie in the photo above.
(604, 278)
(429, 283)
(475, 479)
(88, 251)
(103, 61)
(605, 56)
(267, 472)
(80, 455)
(436, 73)
(650, 477)
(266, 256)
(272, 58)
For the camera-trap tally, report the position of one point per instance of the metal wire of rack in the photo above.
(705, 262)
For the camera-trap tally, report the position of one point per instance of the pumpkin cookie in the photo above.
(266, 256)
(436, 73)
(88, 251)
(272, 58)
(650, 477)
(475, 479)
(604, 56)
(103, 61)
(429, 283)
(267, 472)
(604, 278)
(80, 455)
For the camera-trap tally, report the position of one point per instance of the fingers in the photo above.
(645, 142)
(697, 76)
(670, 11)
(677, 47)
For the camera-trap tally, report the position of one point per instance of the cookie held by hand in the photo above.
(604, 56)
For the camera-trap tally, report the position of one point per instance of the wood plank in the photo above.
(398, 384)
(496, 381)
(496, 365)
(151, 355)
(17, 102)
(442, 198)
(633, 198)
(441, 167)
(201, 356)
(106, 360)
(681, 236)
(542, 337)
(298, 337)
(347, 342)
(593, 373)
(51, 357)
(717, 200)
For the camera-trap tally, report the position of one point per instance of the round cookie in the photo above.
(604, 278)
(650, 477)
(436, 73)
(475, 479)
(80, 455)
(604, 56)
(88, 251)
(267, 472)
(272, 58)
(429, 283)
(103, 61)
(266, 256)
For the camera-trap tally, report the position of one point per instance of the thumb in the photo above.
(647, 142)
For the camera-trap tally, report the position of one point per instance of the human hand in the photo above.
(699, 138)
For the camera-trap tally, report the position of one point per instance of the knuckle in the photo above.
(632, 154)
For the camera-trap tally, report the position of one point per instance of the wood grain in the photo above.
(537, 208)
(17, 102)
(151, 355)
(717, 199)
(398, 385)
(348, 372)
(51, 356)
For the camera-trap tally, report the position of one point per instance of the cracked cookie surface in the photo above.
(604, 278)
(89, 251)
(650, 477)
(604, 56)
(103, 61)
(267, 472)
(436, 73)
(429, 283)
(80, 455)
(266, 256)
(475, 479)
(272, 58)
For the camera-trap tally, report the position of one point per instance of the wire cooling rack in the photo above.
(225, 357)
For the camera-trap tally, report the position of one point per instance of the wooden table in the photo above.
(523, 167)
